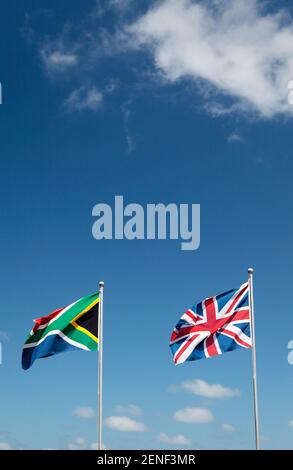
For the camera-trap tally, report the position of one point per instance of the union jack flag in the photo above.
(218, 324)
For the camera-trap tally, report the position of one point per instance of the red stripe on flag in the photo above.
(237, 299)
(177, 335)
(210, 309)
(191, 315)
(236, 337)
(239, 315)
(211, 347)
(45, 320)
(183, 348)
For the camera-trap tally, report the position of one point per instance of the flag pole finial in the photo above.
(101, 284)
(250, 270)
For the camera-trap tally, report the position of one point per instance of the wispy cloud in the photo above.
(238, 49)
(131, 409)
(290, 424)
(78, 443)
(57, 60)
(235, 137)
(120, 4)
(57, 56)
(177, 440)
(126, 114)
(238, 54)
(84, 98)
(84, 412)
(204, 389)
(228, 427)
(27, 30)
(125, 424)
(104, 7)
(193, 415)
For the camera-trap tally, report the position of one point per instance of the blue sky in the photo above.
(112, 98)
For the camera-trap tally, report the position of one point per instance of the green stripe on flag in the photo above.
(63, 324)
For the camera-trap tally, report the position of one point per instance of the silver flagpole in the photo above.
(100, 367)
(251, 307)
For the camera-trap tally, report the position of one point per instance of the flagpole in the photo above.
(100, 367)
(254, 379)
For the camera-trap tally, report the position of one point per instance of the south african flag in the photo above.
(71, 328)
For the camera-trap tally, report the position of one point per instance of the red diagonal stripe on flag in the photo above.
(45, 320)
(236, 337)
(183, 348)
(211, 347)
(237, 298)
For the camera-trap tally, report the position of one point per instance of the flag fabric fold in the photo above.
(214, 326)
(74, 327)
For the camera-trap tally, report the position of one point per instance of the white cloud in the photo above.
(78, 443)
(203, 389)
(234, 137)
(84, 412)
(5, 446)
(84, 98)
(124, 424)
(193, 415)
(228, 427)
(56, 58)
(290, 424)
(119, 5)
(130, 409)
(179, 439)
(236, 48)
